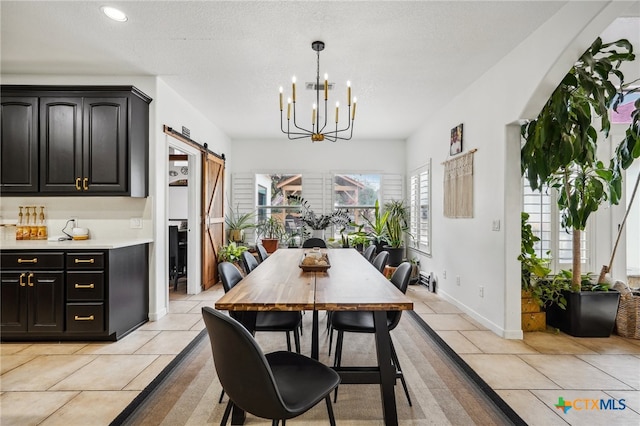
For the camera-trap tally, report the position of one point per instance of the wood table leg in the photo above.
(315, 336)
(387, 370)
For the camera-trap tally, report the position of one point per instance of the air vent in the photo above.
(313, 86)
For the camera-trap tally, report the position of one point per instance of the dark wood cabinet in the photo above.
(19, 144)
(32, 293)
(89, 141)
(74, 294)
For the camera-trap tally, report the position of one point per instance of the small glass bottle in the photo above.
(20, 225)
(42, 225)
(26, 230)
(33, 229)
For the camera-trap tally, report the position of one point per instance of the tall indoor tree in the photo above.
(561, 143)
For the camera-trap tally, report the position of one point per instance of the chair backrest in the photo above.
(249, 262)
(262, 252)
(229, 275)
(173, 247)
(314, 242)
(380, 261)
(242, 368)
(369, 252)
(400, 279)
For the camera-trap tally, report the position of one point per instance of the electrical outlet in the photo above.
(481, 291)
(458, 280)
(496, 225)
(444, 274)
(135, 223)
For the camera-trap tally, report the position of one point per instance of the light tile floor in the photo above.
(84, 383)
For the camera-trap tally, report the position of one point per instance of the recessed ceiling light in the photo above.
(113, 13)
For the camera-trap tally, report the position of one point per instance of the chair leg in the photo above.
(221, 396)
(288, 341)
(396, 363)
(296, 340)
(275, 422)
(338, 359)
(330, 338)
(332, 420)
(227, 411)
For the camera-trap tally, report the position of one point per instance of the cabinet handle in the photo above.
(85, 184)
(84, 285)
(34, 260)
(22, 284)
(83, 260)
(78, 184)
(29, 279)
(79, 318)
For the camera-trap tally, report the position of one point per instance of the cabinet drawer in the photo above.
(85, 260)
(85, 317)
(85, 285)
(32, 260)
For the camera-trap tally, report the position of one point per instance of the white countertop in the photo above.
(97, 244)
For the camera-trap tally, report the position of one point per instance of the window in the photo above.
(420, 207)
(545, 220)
(357, 194)
(273, 191)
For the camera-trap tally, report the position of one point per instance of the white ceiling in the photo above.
(228, 59)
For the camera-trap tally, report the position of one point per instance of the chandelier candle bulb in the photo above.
(326, 86)
(293, 88)
(349, 92)
(289, 109)
(313, 115)
(280, 98)
(337, 105)
(353, 114)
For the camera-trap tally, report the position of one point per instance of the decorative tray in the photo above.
(314, 261)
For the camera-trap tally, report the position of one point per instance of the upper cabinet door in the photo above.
(19, 144)
(61, 145)
(105, 148)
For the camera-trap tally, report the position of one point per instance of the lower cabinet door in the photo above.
(85, 317)
(46, 302)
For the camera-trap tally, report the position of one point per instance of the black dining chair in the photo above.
(380, 261)
(262, 252)
(369, 252)
(249, 262)
(362, 322)
(286, 321)
(278, 386)
(314, 242)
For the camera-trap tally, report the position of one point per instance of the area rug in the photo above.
(443, 389)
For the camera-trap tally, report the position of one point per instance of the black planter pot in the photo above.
(380, 246)
(396, 254)
(588, 313)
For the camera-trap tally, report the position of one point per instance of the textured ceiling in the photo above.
(404, 59)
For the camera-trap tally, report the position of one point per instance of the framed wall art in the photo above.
(455, 145)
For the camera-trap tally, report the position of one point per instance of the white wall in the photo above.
(515, 88)
(302, 155)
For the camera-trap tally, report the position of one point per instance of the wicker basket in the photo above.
(628, 317)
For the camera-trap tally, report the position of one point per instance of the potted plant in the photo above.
(560, 152)
(231, 252)
(237, 223)
(271, 230)
(397, 229)
(317, 222)
(534, 268)
(377, 231)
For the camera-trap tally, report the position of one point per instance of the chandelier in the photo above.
(318, 131)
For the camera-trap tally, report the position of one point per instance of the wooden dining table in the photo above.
(351, 283)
